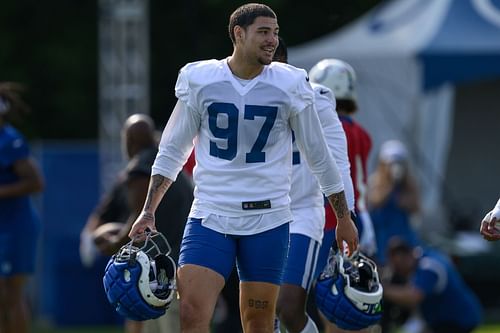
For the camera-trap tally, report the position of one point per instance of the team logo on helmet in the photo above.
(140, 281)
(349, 293)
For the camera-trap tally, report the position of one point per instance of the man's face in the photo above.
(260, 39)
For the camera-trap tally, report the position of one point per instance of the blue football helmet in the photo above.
(140, 281)
(349, 293)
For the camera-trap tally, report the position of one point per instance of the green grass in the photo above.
(488, 329)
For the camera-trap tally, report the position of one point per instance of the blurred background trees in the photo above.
(52, 47)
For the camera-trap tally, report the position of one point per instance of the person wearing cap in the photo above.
(392, 197)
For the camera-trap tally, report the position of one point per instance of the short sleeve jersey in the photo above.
(243, 148)
(447, 299)
(16, 211)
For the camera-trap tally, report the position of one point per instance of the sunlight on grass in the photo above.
(488, 329)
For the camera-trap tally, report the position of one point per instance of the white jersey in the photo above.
(307, 199)
(243, 139)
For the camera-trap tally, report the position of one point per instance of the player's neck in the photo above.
(242, 68)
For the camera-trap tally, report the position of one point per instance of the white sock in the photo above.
(277, 325)
(310, 326)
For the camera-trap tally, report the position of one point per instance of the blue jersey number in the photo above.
(295, 154)
(230, 133)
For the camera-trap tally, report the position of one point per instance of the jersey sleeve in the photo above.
(335, 138)
(312, 144)
(302, 93)
(430, 276)
(176, 141)
(182, 85)
(14, 150)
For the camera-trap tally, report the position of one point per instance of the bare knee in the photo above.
(193, 315)
(292, 314)
(292, 307)
(258, 323)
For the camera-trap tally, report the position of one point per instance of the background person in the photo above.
(19, 223)
(393, 198)
(434, 287)
(127, 197)
(340, 77)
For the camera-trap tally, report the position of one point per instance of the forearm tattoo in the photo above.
(339, 204)
(148, 216)
(157, 188)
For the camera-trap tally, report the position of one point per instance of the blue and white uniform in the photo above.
(307, 203)
(448, 305)
(19, 224)
(242, 133)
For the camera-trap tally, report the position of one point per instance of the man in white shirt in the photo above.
(240, 112)
(307, 204)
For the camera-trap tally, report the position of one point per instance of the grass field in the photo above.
(483, 329)
(489, 329)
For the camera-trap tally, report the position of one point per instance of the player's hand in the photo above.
(488, 228)
(145, 221)
(347, 232)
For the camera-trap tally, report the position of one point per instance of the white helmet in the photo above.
(337, 75)
(140, 282)
(349, 293)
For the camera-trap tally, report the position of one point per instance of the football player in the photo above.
(340, 77)
(307, 203)
(240, 113)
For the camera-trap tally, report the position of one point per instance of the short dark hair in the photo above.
(397, 246)
(245, 15)
(346, 105)
(281, 52)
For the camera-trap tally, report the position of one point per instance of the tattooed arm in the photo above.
(175, 147)
(158, 186)
(346, 230)
(339, 205)
(306, 126)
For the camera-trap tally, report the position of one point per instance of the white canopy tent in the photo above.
(409, 55)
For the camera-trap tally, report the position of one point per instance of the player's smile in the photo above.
(269, 50)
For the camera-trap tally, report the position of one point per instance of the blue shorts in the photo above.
(18, 252)
(301, 263)
(260, 257)
(326, 245)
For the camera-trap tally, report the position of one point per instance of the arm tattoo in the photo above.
(157, 188)
(339, 204)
